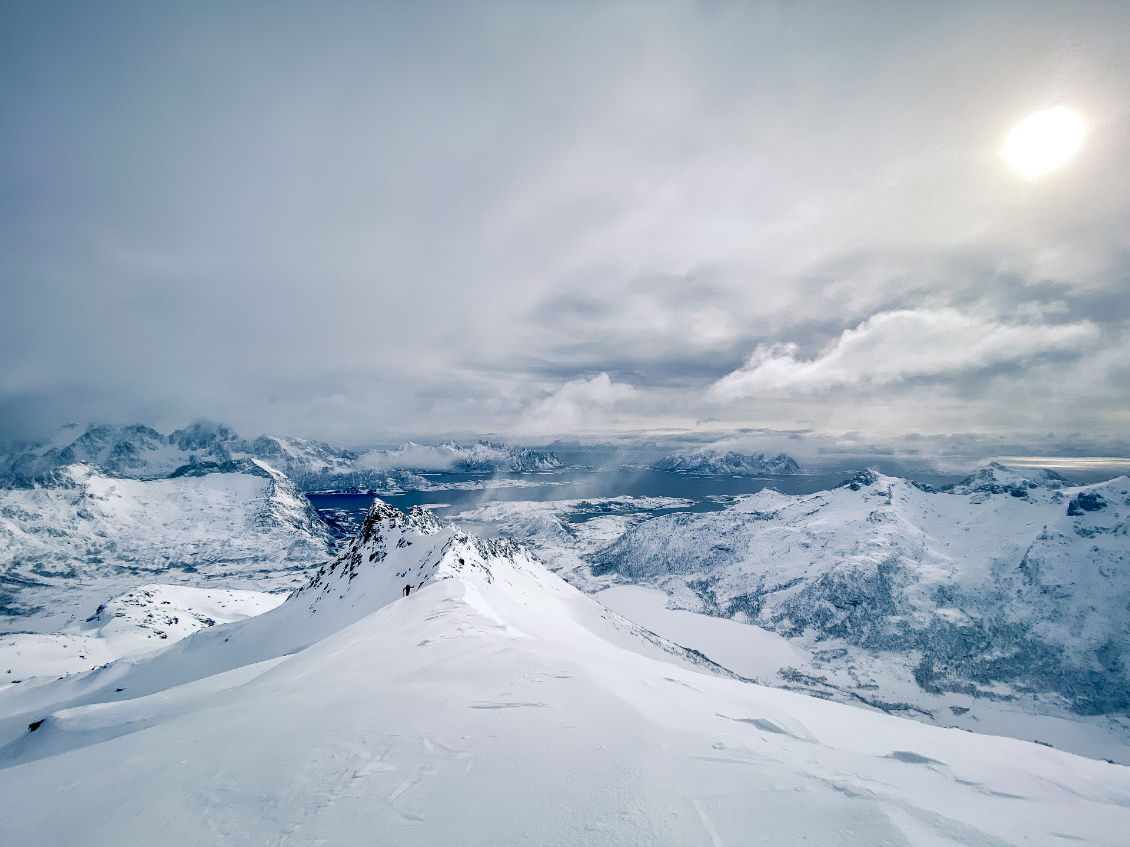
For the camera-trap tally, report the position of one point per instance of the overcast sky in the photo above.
(364, 221)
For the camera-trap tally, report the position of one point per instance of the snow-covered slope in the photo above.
(1006, 588)
(496, 705)
(142, 620)
(717, 463)
(84, 535)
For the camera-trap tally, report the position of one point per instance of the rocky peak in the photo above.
(202, 434)
(865, 477)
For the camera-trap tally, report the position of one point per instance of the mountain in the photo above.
(140, 452)
(1008, 588)
(496, 705)
(716, 463)
(83, 534)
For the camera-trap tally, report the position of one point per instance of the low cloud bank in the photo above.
(896, 346)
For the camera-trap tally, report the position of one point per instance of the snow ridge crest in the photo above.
(394, 552)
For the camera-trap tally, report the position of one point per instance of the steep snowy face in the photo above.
(1008, 586)
(394, 554)
(715, 463)
(82, 535)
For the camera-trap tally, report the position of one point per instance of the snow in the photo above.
(996, 596)
(719, 463)
(141, 452)
(496, 704)
(745, 649)
(997, 606)
(562, 532)
(67, 546)
(148, 618)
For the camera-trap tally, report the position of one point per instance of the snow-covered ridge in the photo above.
(81, 535)
(443, 550)
(496, 704)
(718, 463)
(1010, 586)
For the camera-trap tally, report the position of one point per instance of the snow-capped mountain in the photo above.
(496, 705)
(718, 463)
(83, 535)
(1009, 587)
(143, 453)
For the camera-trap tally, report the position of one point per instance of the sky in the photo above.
(706, 221)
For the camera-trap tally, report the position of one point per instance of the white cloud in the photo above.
(894, 346)
(577, 405)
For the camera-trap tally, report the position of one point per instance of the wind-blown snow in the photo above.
(495, 705)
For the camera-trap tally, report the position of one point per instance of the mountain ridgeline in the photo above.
(717, 463)
(141, 452)
(1004, 586)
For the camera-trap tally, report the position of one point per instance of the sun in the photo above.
(1044, 141)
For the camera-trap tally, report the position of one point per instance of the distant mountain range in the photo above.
(716, 463)
(140, 452)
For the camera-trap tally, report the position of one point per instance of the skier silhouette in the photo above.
(407, 590)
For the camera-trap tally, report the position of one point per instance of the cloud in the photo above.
(371, 222)
(897, 346)
(578, 405)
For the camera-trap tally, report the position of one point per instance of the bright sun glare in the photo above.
(1044, 141)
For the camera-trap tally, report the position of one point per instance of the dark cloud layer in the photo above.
(357, 221)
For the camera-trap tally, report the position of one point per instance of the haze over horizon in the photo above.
(695, 221)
